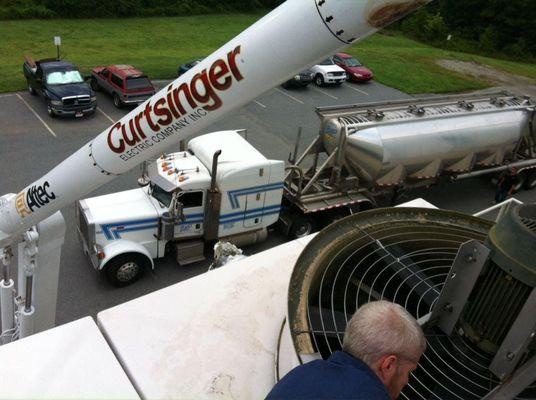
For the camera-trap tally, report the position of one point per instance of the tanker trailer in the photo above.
(365, 151)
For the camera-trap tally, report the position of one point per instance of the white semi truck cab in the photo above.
(220, 188)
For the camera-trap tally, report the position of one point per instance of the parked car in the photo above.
(126, 84)
(327, 73)
(60, 84)
(356, 71)
(301, 79)
(185, 67)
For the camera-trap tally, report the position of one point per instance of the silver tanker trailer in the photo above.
(367, 151)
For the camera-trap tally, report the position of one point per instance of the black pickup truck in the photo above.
(62, 87)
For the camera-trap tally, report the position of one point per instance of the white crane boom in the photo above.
(293, 36)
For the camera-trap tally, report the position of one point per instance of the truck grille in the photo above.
(341, 73)
(76, 100)
(87, 230)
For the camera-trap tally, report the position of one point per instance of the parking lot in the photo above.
(32, 143)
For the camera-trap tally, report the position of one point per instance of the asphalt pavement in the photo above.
(32, 143)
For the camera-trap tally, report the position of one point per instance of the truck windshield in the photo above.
(139, 83)
(161, 195)
(64, 77)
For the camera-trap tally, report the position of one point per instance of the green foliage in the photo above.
(23, 9)
(435, 28)
(489, 40)
(26, 9)
(490, 27)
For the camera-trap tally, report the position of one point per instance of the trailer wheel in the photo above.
(126, 269)
(521, 179)
(301, 227)
(530, 182)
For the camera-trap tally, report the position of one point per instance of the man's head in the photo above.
(388, 339)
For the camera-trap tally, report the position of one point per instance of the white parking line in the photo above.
(260, 104)
(321, 91)
(37, 115)
(106, 115)
(356, 89)
(7, 95)
(288, 95)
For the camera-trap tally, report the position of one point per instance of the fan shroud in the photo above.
(401, 255)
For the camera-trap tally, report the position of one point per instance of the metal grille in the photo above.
(496, 302)
(403, 257)
(77, 100)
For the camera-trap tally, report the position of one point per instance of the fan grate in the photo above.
(403, 257)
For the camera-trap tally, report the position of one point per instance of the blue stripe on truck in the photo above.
(235, 194)
(113, 231)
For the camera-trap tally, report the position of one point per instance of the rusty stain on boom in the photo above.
(391, 12)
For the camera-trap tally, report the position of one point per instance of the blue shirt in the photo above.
(341, 376)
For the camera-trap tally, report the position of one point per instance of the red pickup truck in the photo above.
(126, 84)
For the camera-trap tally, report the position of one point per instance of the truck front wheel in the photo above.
(125, 269)
(31, 90)
(50, 111)
(319, 80)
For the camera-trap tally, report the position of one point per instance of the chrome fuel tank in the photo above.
(390, 143)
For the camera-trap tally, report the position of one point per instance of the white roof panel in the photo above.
(72, 361)
(212, 336)
(234, 149)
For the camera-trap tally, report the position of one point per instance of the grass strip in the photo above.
(158, 45)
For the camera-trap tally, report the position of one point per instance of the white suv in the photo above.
(328, 73)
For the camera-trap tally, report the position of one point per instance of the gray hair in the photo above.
(380, 328)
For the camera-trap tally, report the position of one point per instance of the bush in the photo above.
(413, 26)
(488, 40)
(25, 9)
(435, 28)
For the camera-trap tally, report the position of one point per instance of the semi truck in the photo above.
(222, 188)
(224, 81)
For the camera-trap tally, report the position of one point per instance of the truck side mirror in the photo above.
(175, 207)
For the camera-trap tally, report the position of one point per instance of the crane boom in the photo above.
(293, 36)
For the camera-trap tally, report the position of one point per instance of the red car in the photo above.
(126, 84)
(356, 71)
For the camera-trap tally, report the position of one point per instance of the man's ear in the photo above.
(388, 367)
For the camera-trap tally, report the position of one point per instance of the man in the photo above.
(506, 185)
(382, 345)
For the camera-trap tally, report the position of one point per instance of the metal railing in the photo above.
(502, 207)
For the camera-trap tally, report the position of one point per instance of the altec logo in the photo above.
(34, 197)
(201, 91)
